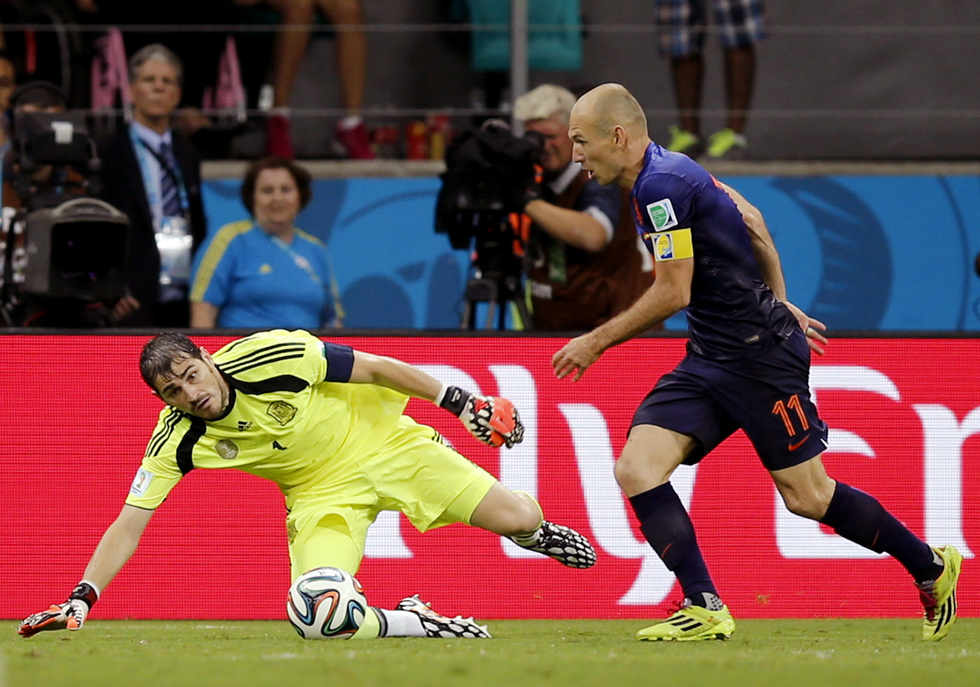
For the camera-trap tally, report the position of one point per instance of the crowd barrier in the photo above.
(904, 417)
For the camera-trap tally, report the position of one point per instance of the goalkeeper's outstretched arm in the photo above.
(117, 545)
(115, 548)
(394, 374)
(494, 421)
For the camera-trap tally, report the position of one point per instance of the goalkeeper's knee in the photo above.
(537, 514)
(522, 515)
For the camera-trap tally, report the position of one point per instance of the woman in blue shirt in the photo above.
(265, 273)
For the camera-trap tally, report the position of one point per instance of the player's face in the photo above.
(196, 387)
(276, 201)
(156, 92)
(597, 154)
(557, 153)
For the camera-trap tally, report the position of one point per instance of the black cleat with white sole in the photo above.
(436, 625)
(564, 544)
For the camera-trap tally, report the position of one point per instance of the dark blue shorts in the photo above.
(768, 397)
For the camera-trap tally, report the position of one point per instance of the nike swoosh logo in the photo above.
(793, 447)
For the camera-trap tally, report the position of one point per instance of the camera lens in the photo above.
(83, 253)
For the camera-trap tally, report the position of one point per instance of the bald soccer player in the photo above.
(747, 367)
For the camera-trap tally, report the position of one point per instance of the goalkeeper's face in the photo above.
(196, 387)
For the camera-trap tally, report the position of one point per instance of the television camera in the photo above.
(490, 176)
(63, 253)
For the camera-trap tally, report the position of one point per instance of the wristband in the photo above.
(453, 399)
(85, 591)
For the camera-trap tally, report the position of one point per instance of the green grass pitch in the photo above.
(581, 653)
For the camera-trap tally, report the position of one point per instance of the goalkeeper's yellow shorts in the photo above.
(414, 472)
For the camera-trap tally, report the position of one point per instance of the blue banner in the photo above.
(858, 252)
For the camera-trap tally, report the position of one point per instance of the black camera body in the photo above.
(77, 250)
(63, 249)
(490, 175)
(53, 158)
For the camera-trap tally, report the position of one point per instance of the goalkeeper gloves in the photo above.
(492, 420)
(69, 615)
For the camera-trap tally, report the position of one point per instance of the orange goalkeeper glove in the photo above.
(494, 421)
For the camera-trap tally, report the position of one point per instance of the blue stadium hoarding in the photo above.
(892, 253)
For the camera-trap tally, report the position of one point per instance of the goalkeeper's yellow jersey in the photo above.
(284, 423)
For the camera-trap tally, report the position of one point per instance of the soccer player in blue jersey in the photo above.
(746, 367)
(325, 423)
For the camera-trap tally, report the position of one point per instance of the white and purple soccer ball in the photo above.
(326, 603)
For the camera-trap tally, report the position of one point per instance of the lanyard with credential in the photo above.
(304, 264)
(142, 149)
(300, 261)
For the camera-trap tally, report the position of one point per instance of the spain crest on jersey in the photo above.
(281, 411)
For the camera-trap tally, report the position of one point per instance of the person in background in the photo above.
(264, 272)
(33, 96)
(290, 48)
(681, 24)
(585, 263)
(44, 186)
(154, 176)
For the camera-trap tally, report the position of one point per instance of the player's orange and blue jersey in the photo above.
(682, 212)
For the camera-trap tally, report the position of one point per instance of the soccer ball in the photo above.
(325, 603)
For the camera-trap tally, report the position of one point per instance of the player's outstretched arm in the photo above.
(670, 293)
(115, 548)
(393, 374)
(494, 421)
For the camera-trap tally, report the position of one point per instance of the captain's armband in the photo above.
(675, 244)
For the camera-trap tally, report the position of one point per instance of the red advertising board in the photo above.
(905, 415)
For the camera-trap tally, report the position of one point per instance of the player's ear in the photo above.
(619, 137)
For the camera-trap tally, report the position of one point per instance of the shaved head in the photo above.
(611, 105)
(609, 135)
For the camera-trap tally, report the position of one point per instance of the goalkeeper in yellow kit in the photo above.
(325, 423)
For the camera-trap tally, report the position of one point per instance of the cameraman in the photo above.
(34, 96)
(44, 186)
(585, 264)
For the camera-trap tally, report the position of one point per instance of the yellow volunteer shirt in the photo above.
(285, 422)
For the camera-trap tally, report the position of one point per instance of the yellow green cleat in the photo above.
(939, 596)
(682, 141)
(691, 624)
(728, 145)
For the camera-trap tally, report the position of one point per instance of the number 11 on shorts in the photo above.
(782, 409)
